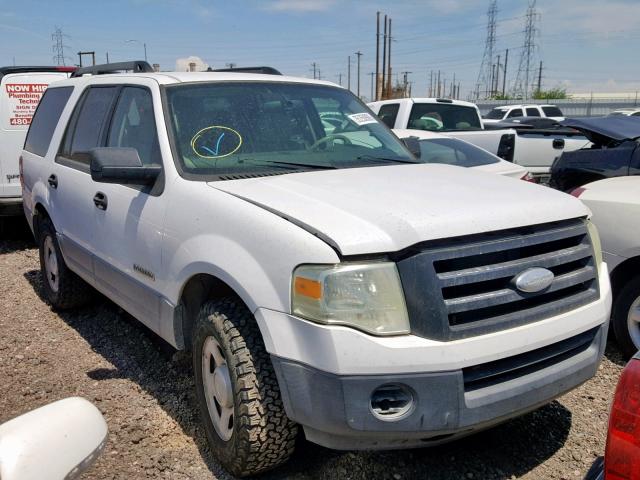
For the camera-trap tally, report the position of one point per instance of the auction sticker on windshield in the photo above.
(22, 100)
(362, 118)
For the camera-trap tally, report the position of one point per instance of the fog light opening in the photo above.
(392, 402)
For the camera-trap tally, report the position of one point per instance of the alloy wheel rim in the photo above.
(633, 322)
(51, 264)
(218, 389)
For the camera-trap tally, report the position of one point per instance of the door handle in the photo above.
(53, 181)
(558, 143)
(100, 201)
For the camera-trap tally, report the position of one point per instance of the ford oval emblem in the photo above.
(533, 280)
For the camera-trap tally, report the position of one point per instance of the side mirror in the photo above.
(121, 165)
(59, 440)
(413, 145)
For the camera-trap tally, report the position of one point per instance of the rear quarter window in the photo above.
(46, 119)
(552, 111)
(388, 114)
(533, 112)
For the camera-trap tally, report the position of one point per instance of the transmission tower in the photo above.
(484, 76)
(523, 77)
(58, 46)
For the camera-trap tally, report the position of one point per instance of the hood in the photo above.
(604, 130)
(388, 208)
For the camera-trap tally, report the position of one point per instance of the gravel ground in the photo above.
(145, 392)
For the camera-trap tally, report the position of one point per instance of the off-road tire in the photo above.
(263, 436)
(72, 290)
(619, 314)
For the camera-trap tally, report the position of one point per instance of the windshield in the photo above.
(495, 114)
(454, 152)
(253, 128)
(443, 117)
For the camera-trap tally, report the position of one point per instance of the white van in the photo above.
(20, 91)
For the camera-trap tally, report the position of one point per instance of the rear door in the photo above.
(20, 94)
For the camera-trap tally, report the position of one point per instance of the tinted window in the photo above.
(134, 125)
(516, 112)
(533, 112)
(454, 152)
(388, 114)
(443, 117)
(495, 114)
(552, 111)
(88, 124)
(45, 120)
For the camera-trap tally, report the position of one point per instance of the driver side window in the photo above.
(134, 125)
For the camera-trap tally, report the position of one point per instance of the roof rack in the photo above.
(263, 70)
(137, 66)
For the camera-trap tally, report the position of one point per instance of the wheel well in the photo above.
(624, 272)
(199, 289)
(40, 213)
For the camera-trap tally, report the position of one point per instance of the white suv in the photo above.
(322, 276)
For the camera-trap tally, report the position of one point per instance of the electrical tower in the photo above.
(524, 77)
(58, 46)
(484, 76)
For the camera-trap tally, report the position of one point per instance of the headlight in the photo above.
(595, 241)
(367, 296)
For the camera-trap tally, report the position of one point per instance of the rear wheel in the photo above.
(625, 317)
(237, 390)
(62, 288)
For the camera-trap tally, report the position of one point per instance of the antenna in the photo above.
(58, 46)
(523, 77)
(485, 73)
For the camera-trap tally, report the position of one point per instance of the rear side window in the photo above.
(552, 111)
(533, 112)
(443, 117)
(388, 114)
(516, 112)
(87, 126)
(45, 120)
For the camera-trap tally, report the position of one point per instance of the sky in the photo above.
(585, 45)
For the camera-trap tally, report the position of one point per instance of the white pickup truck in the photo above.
(508, 112)
(533, 148)
(336, 286)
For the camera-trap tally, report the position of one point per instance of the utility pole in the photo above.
(359, 54)
(107, 57)
(504, 74)
(377, 97)
(438, 95)
(444, 86)
(389, 89)
(431, 83)
(540, 77)
(497, 79)
(384, 61)
(349, 72)
(372, 90)
(314, 70)
(452, 93)
(405, 82)
(339, 79)
(231, 65)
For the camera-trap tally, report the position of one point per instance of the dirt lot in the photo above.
(145, 391)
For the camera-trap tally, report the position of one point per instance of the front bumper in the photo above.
(335, 411)
(11, 206)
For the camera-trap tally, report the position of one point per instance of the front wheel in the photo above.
(625, 317)
(237, 391)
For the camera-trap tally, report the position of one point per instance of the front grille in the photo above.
(499, 371)
(468, 282)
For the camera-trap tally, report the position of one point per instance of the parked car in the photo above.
(534, 149)
(436, 148)
(323, 282)
(615, 203)
(622, 455)
(58, 441)
(629, 112)
(613, 152)
(509, 112)
(20, 91)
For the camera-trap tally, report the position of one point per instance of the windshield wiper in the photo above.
(383, 159)
(314, 166)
